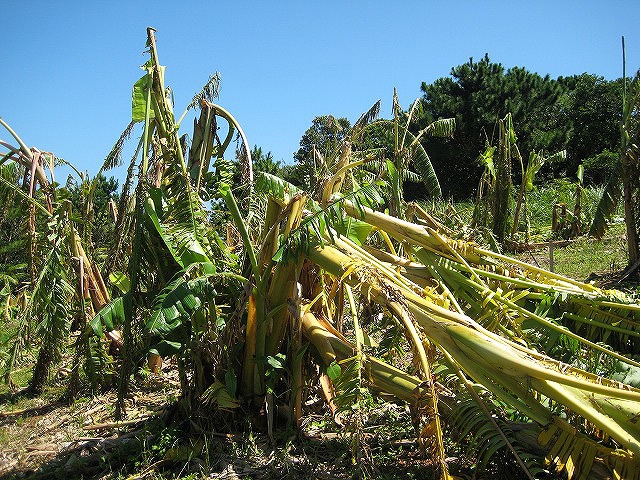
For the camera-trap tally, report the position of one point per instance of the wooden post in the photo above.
(551, 257)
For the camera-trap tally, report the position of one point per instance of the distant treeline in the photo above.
(580, 113)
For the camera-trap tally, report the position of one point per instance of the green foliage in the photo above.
(14, 240)
(47, 299)
(592, 115)
(476, 95)
(139, 100)
(323, 136)
(623, 182)
(600, 167)
(111, 316)
(319, 143)
(178, 229)
(334, 371)
(49, 302)
(91, 199)
(179, 310)
(268, 184)
(543, 197)
(264, 162)
(579, 114)
(495, 204)
(411, 153)
(469, 425)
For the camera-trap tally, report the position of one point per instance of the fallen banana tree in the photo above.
(434, 311)
(436, 294)
(506, 367)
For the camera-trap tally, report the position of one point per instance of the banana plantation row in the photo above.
(264, 298)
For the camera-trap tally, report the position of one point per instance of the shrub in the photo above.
(598, 169)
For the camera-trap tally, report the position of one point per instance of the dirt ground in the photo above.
(42, 431)
(42, 438)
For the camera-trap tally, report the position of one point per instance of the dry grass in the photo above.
(38, 432)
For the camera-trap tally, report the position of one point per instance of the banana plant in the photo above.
(408, 150)
(535, 162)
(169, 236)
(623, 184)
(61, 276)
(499, 363)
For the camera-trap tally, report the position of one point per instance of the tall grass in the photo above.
(543, 197)
(458, 215)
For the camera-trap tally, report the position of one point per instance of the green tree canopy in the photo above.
(592, 111)
(318, 143)
(476, 95)
(324, 134)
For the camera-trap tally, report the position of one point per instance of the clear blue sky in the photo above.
(68, 67)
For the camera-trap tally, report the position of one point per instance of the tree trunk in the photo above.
(41, 370)
(630, 216)
(502, 196)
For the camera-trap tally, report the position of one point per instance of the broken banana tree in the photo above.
(435, 308)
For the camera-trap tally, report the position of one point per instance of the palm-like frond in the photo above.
(418, 157)
(209, 91)
(114, 158)
(443, 127)
(560, 156)
(424, 167)
(50, 302)
(410, 176)
(364, 120)
(124, 219)
(468, 418)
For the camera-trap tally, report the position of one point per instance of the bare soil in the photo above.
(43, 438)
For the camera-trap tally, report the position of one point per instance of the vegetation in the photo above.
(623, 183)
(578, 114)
(334, 286)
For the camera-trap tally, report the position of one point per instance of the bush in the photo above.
(598, 169)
